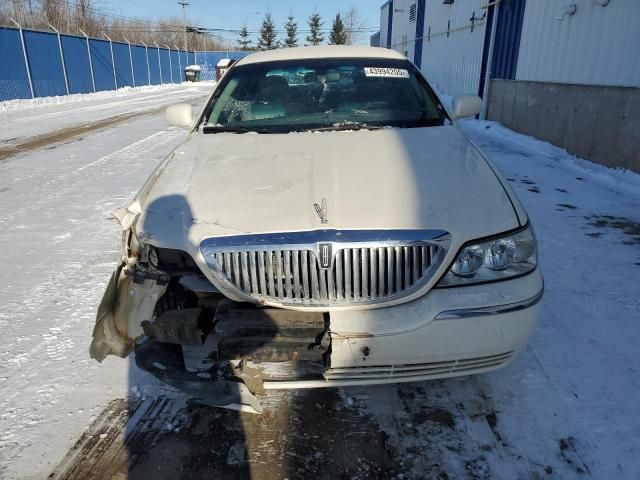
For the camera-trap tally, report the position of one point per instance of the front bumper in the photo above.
(449, 332)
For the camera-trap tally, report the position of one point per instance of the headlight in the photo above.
(496, 259)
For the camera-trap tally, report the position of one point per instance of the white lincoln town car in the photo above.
(325, 223)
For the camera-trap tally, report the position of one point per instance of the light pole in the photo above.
(184, 5)
(198, 31)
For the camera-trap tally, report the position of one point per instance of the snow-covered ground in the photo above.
(566, 408)
(569, 404)
(58, 248)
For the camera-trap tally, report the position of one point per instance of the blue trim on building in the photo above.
(417, 51)
(390, 24)
(507, 41)
(485, 49)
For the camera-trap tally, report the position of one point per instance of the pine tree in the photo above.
(292, 33)
(315, 24)
(267, 40)
(338, 34)
(243, 39)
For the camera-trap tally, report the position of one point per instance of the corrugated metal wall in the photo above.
(384, 12)
(452, 50)
(451, 43)
(597, 45)
(396, 32)
(386, 23)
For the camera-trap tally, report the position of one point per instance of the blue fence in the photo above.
(14, 79)
(42, 64)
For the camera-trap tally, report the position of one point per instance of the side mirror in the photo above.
(180, 115)
(466, 106)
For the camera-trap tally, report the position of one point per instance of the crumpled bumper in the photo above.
(165, 361)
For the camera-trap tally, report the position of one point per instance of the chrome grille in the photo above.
(285, 269)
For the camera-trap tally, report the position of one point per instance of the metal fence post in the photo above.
(113, 60)
(179, 64)
(26, 59)
(93, 80)
(146, 51)
(170, 66)
(159, 63)
(133, 75)
(64, 67)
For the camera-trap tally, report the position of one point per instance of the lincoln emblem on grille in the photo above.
(326, 255)
(321, 210)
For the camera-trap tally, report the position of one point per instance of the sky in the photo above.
(231, 14)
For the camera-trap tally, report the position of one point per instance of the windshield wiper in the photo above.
(345, 126)
(223, 129)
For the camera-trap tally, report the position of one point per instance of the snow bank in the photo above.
(31, 103)
(620, 178)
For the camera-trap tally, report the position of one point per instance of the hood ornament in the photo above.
(321, 210)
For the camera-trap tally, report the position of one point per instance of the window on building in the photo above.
(412, 13)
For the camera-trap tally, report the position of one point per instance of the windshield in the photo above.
(325, 94)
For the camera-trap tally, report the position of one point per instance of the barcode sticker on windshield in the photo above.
(386, 72)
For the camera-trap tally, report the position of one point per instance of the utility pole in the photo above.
(184, 5)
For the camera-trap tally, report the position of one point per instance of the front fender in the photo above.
(124, 306)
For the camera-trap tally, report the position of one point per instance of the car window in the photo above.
(310, 94)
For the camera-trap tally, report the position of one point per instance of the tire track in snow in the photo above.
(47, 324)
(132, 151)
(38, 142)
(34, 300)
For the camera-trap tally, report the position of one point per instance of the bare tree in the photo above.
(14, 9)
(53, 13)
(354, 26)
(83, 12)
(69, 16)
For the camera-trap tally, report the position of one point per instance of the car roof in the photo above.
(326, 51)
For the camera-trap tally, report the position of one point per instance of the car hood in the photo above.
(230, 184)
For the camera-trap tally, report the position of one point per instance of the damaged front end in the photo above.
(131, 295)
(159, 304)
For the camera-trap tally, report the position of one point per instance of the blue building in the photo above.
(564, 71)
